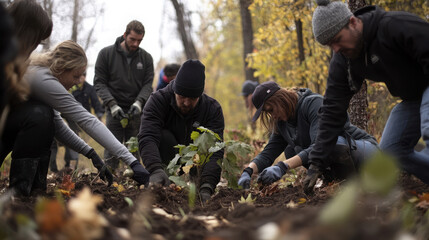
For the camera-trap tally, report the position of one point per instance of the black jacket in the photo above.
(116, 80)
(87, 97)
(161, 112)
(298, 134)
(396, 52)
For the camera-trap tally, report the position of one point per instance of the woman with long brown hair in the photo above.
(291, 116)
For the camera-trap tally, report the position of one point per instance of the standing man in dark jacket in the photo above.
(168, 119)
(123, 80)
(389, 47)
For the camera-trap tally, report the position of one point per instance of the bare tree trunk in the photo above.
(300, 38)
(48, 6)
(247, 33)
(75, 20)
(359, 103)
(185, 31)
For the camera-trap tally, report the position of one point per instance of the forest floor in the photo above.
(279, 211)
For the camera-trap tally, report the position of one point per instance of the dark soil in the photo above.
(164, 212)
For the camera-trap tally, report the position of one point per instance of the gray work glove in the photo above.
(105, 173)
(244, 180)
(313, 173)
(117, 112)
(206, 191)
(135, 109)
(141, 175)
(273, 173)
(159, 177)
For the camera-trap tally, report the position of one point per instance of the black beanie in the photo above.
(190, 79)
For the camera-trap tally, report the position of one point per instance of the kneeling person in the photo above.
(291, 115)
(169, 117)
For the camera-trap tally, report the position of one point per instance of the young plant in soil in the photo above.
(196, 154)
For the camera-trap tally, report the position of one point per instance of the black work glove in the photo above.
(135, 109)
(206, 191)
(104, 172)
(117, 112)
(313, 173)
(141, 175)
(273, 173)
(244, 180)
(159, 177)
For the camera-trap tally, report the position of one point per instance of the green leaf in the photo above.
(218, 146)
(132, 144)
(129, 201)
(340, 208)
(204, 142)
(124, 122)
(192, 195)
(173, 166)
(178, 180)
(379, 174)
(194, 135)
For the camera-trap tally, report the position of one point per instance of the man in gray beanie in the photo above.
(389, 47)
(169, 117)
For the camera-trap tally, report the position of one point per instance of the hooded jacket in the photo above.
(161, 112)
(122, 82)
(297, 135)
(395, 51)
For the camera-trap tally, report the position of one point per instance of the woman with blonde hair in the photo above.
(291, 116)
(49, 76)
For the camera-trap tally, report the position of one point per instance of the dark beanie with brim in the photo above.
(190, 79)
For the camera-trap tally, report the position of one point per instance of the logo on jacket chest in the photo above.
(374, 59)
(139, 65)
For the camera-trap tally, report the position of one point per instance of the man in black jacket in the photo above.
(123, 80)
(168, 119)
(389, 47)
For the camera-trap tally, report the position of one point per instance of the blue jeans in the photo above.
(408, 121)
(362, 150)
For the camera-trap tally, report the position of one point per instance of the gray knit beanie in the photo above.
(328, 19)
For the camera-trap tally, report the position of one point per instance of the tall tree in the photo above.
(48, 5)
(247, 33)
(358, 109)
(184, 27)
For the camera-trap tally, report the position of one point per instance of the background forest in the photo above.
(277, 44)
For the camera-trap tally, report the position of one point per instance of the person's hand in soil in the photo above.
(273, 173)
(245, 178)
(104, 172)
(313, 173)
(159, 177)
(141, 175)
(206, 191)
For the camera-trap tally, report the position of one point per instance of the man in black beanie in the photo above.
(169, 117)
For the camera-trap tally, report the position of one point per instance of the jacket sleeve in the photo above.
(311, 108)
(275, 146)
(149, 137)
(66, 136)
(54, 94)
(148, 80)
(333, 113)
(101, 77)
(211, 170)
(412, 36)
(95, 102)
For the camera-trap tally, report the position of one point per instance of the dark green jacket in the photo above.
(116, 80)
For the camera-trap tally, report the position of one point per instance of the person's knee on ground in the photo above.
(342, 163)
